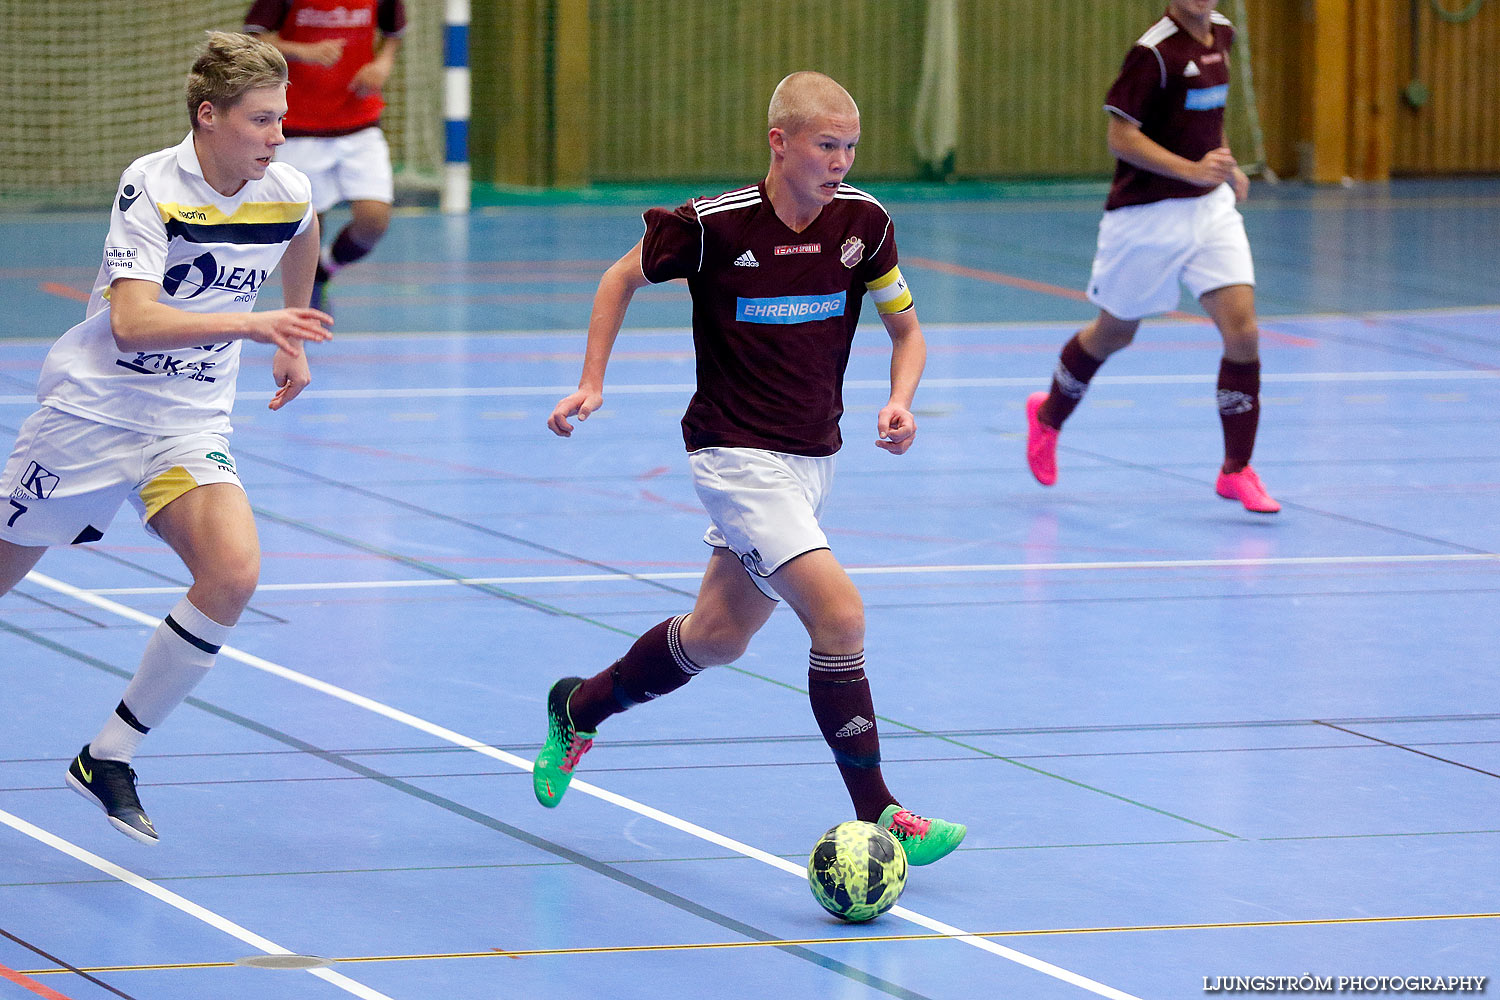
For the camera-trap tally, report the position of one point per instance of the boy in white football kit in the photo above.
(135, 400)
(1170, 217)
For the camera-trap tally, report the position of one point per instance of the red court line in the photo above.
(1026, 284)
(998, 278)
(66, 291)
(20, 979)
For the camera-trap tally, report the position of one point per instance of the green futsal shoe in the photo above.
(925, 840)
(553, 770)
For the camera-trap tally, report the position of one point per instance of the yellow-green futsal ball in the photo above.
(857, 871)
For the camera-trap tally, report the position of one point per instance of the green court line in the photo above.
(437, 571)
(541, 606)
(695, 859)
(1367, 836)
(1008, 760)
(567, 854)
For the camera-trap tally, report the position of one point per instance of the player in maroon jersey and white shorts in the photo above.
(777, 271)
(1170, 218)
(333, 127)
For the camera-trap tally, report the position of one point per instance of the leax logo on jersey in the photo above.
(191, 279)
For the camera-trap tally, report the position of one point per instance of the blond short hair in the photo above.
(229, 65)
(803, 97)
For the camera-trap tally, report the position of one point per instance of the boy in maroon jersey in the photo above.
(341, 53)
(777, 271)
(1170, 217)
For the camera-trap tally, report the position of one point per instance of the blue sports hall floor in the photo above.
(1192, 745)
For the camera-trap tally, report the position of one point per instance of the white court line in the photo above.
(187, 906)
(515, 581)
(667, 819)
(486, 391)
(1021, 325)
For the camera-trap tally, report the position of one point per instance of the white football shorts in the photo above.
(764, 505)
(67, 476)
(353, 167)
(1145, 250)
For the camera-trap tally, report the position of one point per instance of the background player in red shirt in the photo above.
(777, 272)
(341, 52)
(1170, 217)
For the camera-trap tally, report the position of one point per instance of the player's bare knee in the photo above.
(1106, 335)
(369, 224)
(1242, 342)
(840, 629)
(367, 232)
(712, 641)
(230, 583)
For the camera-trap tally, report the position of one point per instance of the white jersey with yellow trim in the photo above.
(210, 254)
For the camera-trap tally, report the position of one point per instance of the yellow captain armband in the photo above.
(890, 292)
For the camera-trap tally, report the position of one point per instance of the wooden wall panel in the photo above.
(573, 91)
(1456, 131)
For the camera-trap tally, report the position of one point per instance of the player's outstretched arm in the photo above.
(896, 427)
(141, 323)
(616, 288)
(1127, 142)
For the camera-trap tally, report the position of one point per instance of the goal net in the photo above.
(89, 85)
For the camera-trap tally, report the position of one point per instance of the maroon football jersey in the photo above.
(774, 312)
(1175, 88)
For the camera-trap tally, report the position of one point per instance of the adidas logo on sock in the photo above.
(746, 259)
(854, 727)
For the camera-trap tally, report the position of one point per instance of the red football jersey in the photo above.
(320, 101)
(1175, 88)
(774, 312)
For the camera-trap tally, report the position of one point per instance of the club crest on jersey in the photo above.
(852, 252)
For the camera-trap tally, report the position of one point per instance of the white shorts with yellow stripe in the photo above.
(67, 476)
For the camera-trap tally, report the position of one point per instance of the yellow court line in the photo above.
(808, 942)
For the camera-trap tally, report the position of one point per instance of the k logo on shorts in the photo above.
(39, 482)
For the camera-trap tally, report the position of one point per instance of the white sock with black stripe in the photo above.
(178, 655)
